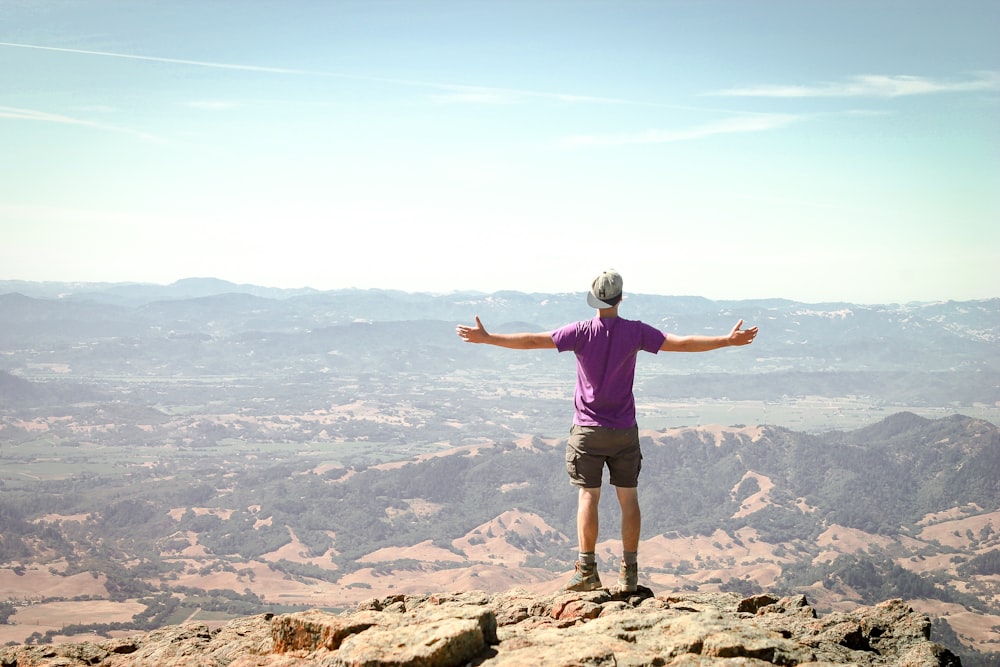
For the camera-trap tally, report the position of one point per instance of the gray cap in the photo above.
(606, 290)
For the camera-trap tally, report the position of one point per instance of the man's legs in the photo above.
(628, 575)
(586, 518)
(628, 498)
(588, 451)
(586, 578)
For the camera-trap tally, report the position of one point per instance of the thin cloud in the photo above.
(872, 85)
(467, 94)
(211, 105)
(17, 113)
(476, 97)
(754, 123)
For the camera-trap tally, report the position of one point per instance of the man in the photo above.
(604, 428)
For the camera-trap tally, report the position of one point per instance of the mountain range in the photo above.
(910, 355)
(205, 450)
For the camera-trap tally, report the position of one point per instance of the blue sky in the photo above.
(818, 151)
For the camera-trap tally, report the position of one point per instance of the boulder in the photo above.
(518, 629)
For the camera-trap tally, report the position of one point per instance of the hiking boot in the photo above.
(628, 578)
(585, 578)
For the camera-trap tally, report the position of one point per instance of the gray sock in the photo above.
(588, 558)
(631, 557)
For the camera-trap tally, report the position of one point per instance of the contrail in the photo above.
(176, 61)
(465, 92)
(42, 116)
(340, 75)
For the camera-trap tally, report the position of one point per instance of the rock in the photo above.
(518, 629)
(315, 629)
(441, 642)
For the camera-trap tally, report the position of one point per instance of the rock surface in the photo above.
(524, 630)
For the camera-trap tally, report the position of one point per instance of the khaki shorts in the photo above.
(590, 448)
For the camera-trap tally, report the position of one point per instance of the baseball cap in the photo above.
(606, 290)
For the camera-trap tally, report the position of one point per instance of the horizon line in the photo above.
(307, 288)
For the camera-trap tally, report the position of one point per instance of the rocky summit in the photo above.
(517, 628)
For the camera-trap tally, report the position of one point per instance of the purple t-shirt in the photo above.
(605, 367)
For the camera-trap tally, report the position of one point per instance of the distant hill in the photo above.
(139, 293)
(912, 354)
(17, 392)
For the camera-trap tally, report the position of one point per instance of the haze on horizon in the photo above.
(826, 151)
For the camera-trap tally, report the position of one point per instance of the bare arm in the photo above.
(737, 336)
(514, 341)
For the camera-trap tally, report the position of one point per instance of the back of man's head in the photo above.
(606, 290)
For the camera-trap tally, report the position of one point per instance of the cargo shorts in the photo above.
(590, 448)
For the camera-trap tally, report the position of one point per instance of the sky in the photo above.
(819, 151)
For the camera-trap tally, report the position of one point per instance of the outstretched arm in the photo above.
(515, 341)
(737, 336)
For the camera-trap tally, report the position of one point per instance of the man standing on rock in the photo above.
(604, 428)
